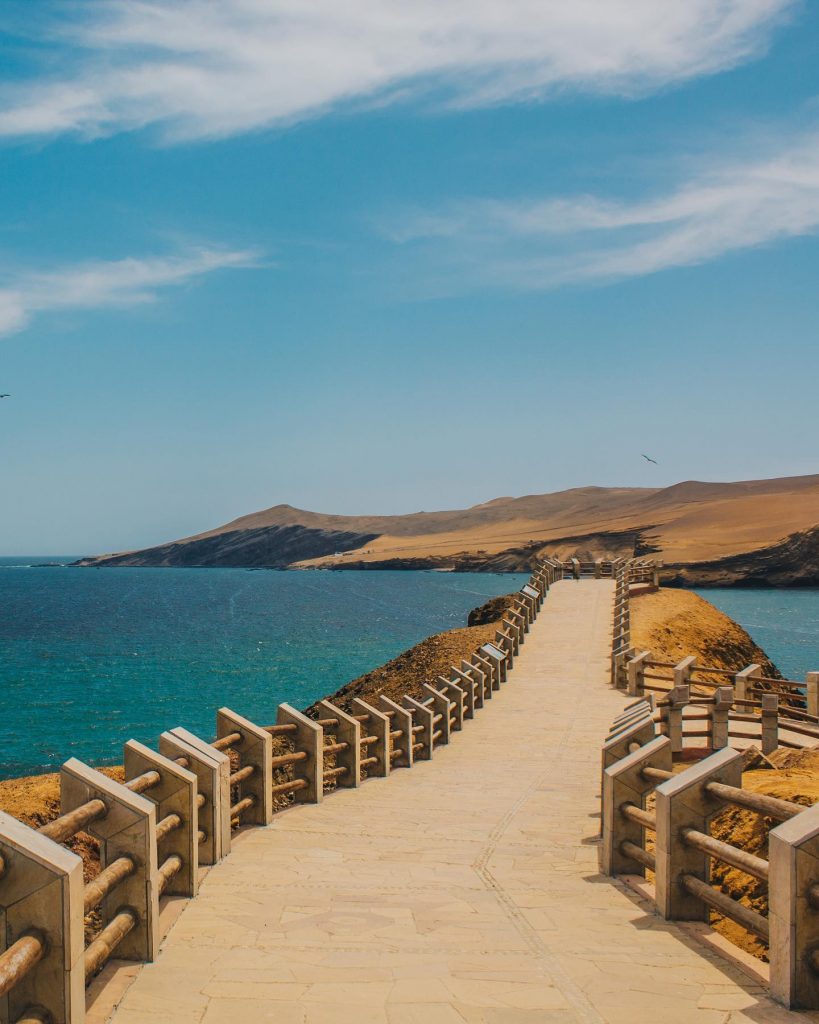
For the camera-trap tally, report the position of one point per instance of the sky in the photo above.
(384, 257)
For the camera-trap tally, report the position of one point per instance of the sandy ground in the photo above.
(675, 623)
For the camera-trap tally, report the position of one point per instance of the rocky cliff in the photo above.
(271, 547)
(792, 563)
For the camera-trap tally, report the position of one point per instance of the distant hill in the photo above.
(764, 531)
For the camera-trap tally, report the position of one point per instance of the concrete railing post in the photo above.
(812, 693)
(505, 641)
(619, 674)
(743, 682)
(511, 624)
(440, 705)
(793, 917)
(255, 747)
(723, 701)
(636, 669)
(528, 603)
(683, 669)
(482, 674)
(684, 803)
(640, 709)
(770, 722)
(347, 731)
(494, 666)
(484, 671)
(378, 725)
(41, 888)
(400, 721)
(127, 830)
(641, 731)
(524, 609)
(212, 770)
(624, 783)
(457, 699)
(308, 738)
(501, 660)
(462, 694)
(422, 743)
(174, 794)
(538, 585)
(678, 698)
(472, 697)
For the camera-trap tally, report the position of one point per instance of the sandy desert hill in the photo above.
(743, 532)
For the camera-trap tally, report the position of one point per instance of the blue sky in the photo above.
(377, 257)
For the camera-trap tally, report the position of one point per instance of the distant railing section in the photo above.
(179, 805)
(774, 712)
(627, 573)
(685, 711)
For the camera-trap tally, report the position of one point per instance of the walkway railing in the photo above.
(627, 574)
(684, 711)
(740, 704)
(178, 807)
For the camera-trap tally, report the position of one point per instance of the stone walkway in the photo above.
(464, 891)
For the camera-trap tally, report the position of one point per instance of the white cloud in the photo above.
(724, 207)
(125, 282)
(204, 69)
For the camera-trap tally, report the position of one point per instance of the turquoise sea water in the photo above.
(785, 624)
(92, 657)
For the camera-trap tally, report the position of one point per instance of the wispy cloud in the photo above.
(96, 285)
(722, 207)
(202, 69)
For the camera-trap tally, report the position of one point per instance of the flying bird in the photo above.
(5, 396)
(656, 463)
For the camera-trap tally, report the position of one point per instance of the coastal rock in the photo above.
(754, 760)
(792, 563)
(492, 611)
(272, 547)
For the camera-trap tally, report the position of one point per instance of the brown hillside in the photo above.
(707, 533)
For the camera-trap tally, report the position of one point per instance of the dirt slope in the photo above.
(675, 623)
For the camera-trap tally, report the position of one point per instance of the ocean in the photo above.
(92, 657)
(785, 624)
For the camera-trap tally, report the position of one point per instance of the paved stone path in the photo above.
(464, 891)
